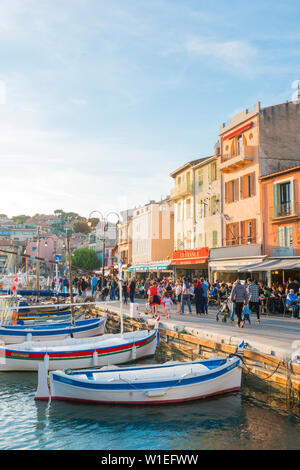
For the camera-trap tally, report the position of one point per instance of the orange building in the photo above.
(280, 206)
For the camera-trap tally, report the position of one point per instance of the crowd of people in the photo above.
(242, 297)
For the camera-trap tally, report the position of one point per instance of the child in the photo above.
(168, 302)
(246, 314)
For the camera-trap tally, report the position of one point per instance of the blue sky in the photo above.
(101, 100)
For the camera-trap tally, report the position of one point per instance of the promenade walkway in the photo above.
(274, 335)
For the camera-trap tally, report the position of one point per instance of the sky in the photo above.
(101, 100)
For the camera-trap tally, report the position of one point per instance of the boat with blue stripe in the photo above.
(54, 330)
(170, 382)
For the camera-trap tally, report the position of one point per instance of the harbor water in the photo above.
(253, 418)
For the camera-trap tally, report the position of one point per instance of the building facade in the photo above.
(152, 239)
(253, 144)
(197, 217)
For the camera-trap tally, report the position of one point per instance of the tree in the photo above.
(20, 219)
(81, 226)
(85, 258)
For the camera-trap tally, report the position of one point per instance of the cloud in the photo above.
(237, 54)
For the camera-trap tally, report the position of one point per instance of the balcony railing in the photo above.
(247, 151)
(282, 251)
(285, 209)
(181, 190)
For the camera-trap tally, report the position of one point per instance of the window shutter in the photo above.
(226, 193)
(292, 197)
(236, 189)
(209, 173)
(242, 187)
(252, 184)
(228, 235)
(243, 234)
(253, 235)
(275, 201)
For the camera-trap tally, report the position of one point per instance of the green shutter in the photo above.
(275, 200)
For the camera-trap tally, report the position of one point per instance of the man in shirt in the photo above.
(239, 296)
(253, 291)
(205, 288)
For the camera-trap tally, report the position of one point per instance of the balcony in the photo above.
(181, 190)
(282, 251)
(288, 211)
(245, 157)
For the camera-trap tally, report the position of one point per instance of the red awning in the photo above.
(238, 131)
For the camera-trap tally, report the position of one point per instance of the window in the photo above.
(248, 231)
(247, 185)
(232, 191)
(188, 209)
(239, 144)
(214, 238)
(232, 234)
(213, 171)
(200, 180)
(214, 205)
(179, 211)
(283, 194)
(285, 236)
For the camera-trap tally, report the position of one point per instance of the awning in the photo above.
(273, 265)
(150, 267)
(196, 256)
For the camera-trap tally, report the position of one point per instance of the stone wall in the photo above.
(279, 128)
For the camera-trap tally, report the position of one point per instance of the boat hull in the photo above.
(79, 354)
(52, 331)
(225, 380)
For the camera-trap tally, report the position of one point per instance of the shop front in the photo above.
(227, 264)
(191, 263)
(155, 270)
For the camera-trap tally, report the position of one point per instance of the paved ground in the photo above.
(275, 335)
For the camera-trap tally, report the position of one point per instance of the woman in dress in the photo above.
(153, 299)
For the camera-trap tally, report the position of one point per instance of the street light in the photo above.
(105, 228)
(55, 250)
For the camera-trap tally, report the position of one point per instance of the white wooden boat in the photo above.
(148, 384)
(79, 353)
(11, 334)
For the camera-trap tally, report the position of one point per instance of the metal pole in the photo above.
(70, 279)
(120, 291)
(37, 262)
(26, 262)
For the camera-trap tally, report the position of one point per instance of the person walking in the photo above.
(198, 291)
(153, 299)
(132, 285)
(239, 296)
(125, 291)
(178, 294)
(94, 283)
(205, 289)
(186, 297)
(253, 291)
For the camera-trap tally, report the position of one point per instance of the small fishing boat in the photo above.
(79, 353)
(171, 382)
(11, 334)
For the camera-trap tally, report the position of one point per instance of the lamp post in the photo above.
(55, 249)
(105, 228)
(70, 274)
(37, 261)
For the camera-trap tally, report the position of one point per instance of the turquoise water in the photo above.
(250, 419)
